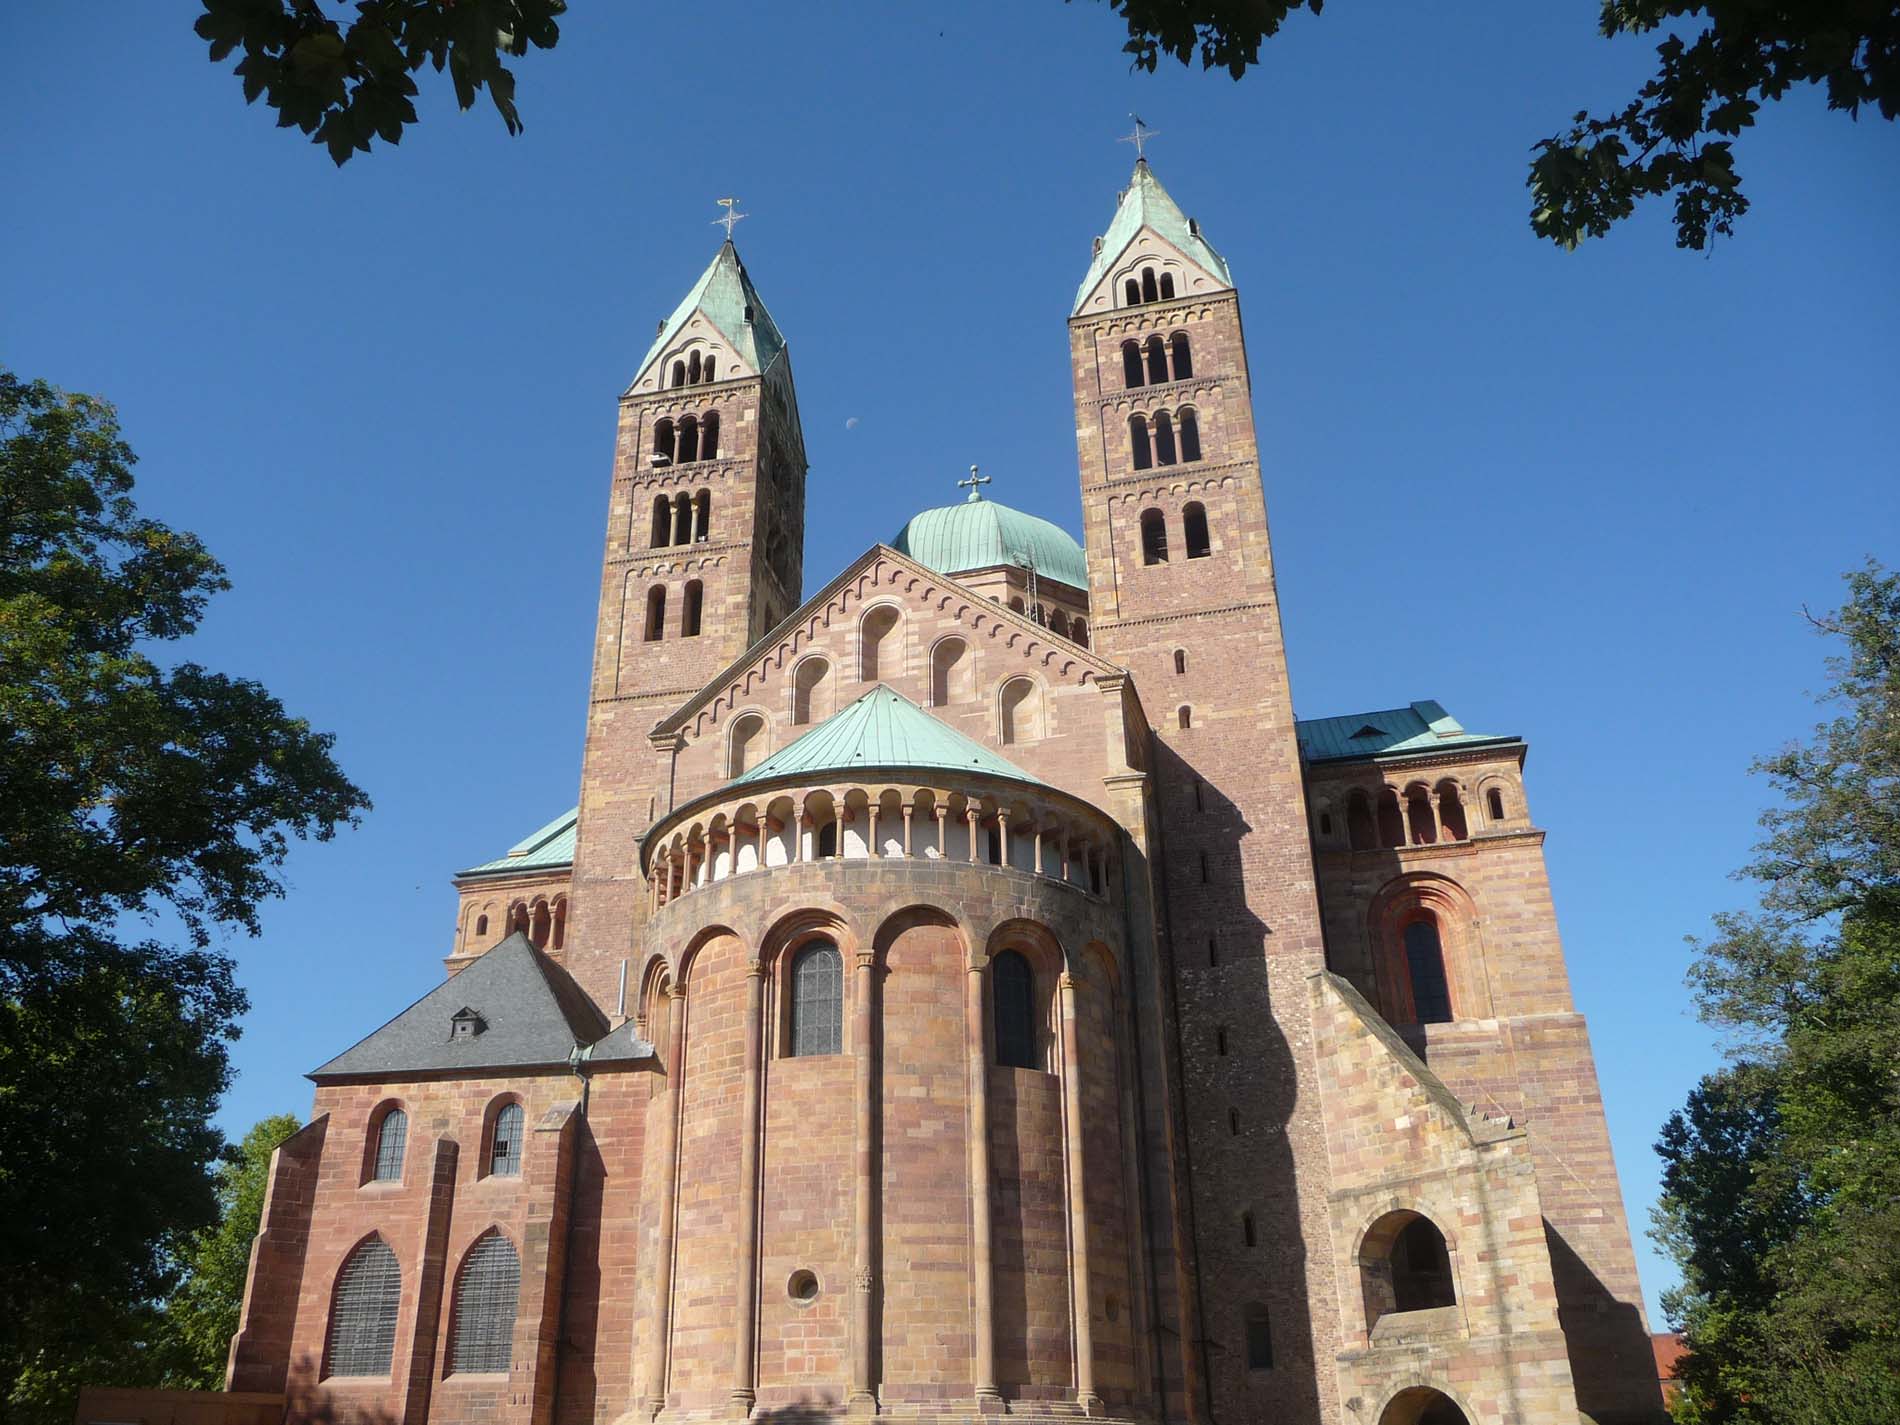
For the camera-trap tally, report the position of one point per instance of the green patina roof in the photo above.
(980, 533)
(882, 729)
(1393, 732)
(1146, 204)
(724, 292)
(543, 850)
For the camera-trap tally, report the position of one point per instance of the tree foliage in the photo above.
(1781, 1184)
(127, 791)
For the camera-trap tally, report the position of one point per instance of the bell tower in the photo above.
(705, 552)
(1181, 588)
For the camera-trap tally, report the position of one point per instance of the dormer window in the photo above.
(465, 1023)
(1367, 731)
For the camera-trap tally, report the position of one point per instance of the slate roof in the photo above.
(549, 848)
(536, 1016)
(1422, 727)
(618, 1047)
(725, 294)
(1146, 204)
(980, 533)
(882, 729)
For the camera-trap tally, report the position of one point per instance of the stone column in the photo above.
(1038, 848)
(661, 1317)
(863, 1397)
(870, 814)
(943, 832)
(1002, 834)
(989, 1399)
(1085, 1395)
(910, 847)
(764, 823)
(744, 1344)
(970, 814)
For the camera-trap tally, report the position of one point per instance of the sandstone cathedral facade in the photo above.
(967, 990)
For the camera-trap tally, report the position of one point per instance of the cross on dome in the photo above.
(974, 482)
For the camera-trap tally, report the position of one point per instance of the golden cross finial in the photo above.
(731, 219)
(1139, 137)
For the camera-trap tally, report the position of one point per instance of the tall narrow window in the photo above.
(1079, 631)
(707, 373)
(1213, 953)
(1494, 803)
(1183, 358)
(1164, 439)
(878, 644)
(692, 370)
(1233, 1123)
(1138, 448)
(679, 373)
(662, 522)
(826, 845)
(949, 672)
(481, 925)
(1194, 517)
(1059, 624)
(702, 514)
(1180, 660)
(1167, 286)
(663, 443)
(1360, 834)
(1190, 432)
(1131, 365)
(1220, 1040)
(392, 1136)
(1184, 716)
(1154, 537)
(1014, 988)
(1451, 811)
(1131, 293)
(691, 607)
(808, 690)
(656, 613)
(1020, 711)
(1418, 812)
(1425, 966)
(362, 1337)
(688, 448)
(1149, 292)
(709, 436)
(1259, 1338)
(818, 1001)
(748, 741)
(682, 518)
(504, 1142)
(1391, 819)
(1204, 876)
(487, 1292)
(1157, 358)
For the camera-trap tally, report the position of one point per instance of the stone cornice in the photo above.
(1163, 473)
(1177, 618)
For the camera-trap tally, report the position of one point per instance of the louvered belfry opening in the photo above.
(363, 1312)
(485, 1299)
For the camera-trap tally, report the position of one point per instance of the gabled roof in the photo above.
(882, 729)
(1421, 728)
(725, 294)
(1146, 204)
(546, 849)
(535, 1016)
(980, 534)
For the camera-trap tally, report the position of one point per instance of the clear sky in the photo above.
(1580, 497)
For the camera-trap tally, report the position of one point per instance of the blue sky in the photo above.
(1580, 497)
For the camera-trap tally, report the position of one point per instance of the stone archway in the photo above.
(1421, 1405)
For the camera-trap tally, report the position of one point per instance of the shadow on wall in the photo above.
(306, 1402)
(581, 1286)
(1610, 1356)
(1239, 1092)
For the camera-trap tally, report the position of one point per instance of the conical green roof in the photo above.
(980, 533)
(731, 303)
(1146, 204)
(881, 729)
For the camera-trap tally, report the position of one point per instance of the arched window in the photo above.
(1138, 447)
(481, 925)
(702, 513)
(748, 741)
(878, 644)
(1360, 834)
(1016, 603)
(662, 522)
(709, 434)
(1167, 286)
(808, 690)
(818, 1000)
(826, 843)
(1425, 968)
(692, 370)
(1164, 439)
(707, 373)
(691, 608)
(1020, 709)
(362, 1337)
(1194, 517)
(656, 613)
(1391, 819)
(1154, 537)
(1184, 716)
(1131, 293)
(1494, 803)
(1183, 358)
(1190, 430)
(1180, 660)
(560, 922)
(1149, 292)
(1131, 365)
(1157, 356)
(688, 447)
(663, 442)
(392, 1136)
(682, 518)
(487, 1290)
(504, 1142)
(949, 672)
(1418, 813)
(1013, 986)
(1421, 1268)
(1259, 1338)
(1079, 631)
(679, 373)
(543, 923)
(1451, 812)
(518, 918)
(1059, 624)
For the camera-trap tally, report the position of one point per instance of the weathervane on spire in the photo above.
(1139, 137)
(974, 482)
(731, 219)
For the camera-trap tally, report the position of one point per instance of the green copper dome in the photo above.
(980, 534)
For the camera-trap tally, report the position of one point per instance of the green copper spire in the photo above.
(725, 294)
(1146, 204)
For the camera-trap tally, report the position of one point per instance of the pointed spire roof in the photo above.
(1146, 204)
(727, 298)
(882, 729)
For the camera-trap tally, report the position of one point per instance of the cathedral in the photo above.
(964, 989)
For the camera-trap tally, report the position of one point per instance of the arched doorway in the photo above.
(1421, 1405)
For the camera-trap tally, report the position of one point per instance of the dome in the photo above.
(980, 533)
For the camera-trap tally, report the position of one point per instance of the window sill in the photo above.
(1433, 1322)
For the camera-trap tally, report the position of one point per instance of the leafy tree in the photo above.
(127, 791)
(1781, 1188)
(202, 1315)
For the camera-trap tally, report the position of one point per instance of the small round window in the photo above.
(802, 1288)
